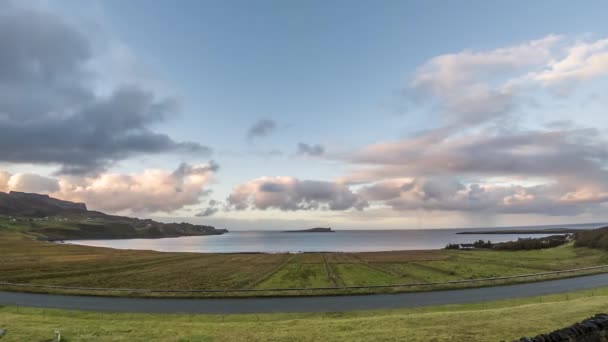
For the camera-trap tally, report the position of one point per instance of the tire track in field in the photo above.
(288, 258)
(331, 272)
(435, 269)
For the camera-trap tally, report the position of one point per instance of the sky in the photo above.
(284, 114)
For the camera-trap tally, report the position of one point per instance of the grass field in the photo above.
(492, 321)
(24, 260)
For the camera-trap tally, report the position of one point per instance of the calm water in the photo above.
(340, 241)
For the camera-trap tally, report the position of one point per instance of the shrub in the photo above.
(596, 238)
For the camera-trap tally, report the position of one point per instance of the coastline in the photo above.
(524, 232)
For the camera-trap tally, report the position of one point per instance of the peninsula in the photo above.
(52, 219)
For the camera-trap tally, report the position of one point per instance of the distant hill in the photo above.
(53, 219)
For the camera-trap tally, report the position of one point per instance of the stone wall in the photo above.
(594, 329)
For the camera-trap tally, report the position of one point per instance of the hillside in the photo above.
(595, 238)
(52, 219)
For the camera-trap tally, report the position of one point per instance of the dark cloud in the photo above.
(185, 169)
(210, 210)
(207, 212)
(272, 187)
(49, 112)
(261, 128)
(310, 150)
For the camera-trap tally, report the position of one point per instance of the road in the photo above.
(301, 304)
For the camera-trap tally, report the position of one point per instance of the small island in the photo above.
(312, 230)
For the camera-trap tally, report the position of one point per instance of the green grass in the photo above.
(25, 260)
(491, 321)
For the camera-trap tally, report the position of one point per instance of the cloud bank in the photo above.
(150, 191)
(291, 194)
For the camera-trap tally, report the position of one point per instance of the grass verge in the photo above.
(490, 321)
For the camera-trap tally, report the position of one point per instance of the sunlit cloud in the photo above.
(150, 191)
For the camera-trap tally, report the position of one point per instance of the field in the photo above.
(492, 321)
(25, 260)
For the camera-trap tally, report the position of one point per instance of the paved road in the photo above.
(302, 304)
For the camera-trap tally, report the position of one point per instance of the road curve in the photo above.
(301, 304)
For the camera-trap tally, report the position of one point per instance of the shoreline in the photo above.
(524, 232)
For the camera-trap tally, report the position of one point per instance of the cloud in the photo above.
(476, 160)
(552, 171)
(66, 121)
(261, 128)
(567, 152)
(29, 182)
(210, 210)
(583, 60)
(291, 194)
(559, 168)
(448, 194)
(4, 178)
(310, 150)
(473, 87)
(150, 191)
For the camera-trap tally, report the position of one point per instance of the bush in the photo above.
(596, 238)
(533, 243)
(482, 244)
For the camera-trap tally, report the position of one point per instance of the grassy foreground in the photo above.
(492, 321)
(25, 260)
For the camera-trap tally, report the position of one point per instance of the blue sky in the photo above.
(341, 75)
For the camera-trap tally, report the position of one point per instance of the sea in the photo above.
(339, 241)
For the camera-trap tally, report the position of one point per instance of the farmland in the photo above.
(29, 261)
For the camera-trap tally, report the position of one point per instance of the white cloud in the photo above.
(472, 87)
(476, 86)
(582, 61)
(29, 182)
(150, 191)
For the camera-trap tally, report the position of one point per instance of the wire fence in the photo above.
(333, 288)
